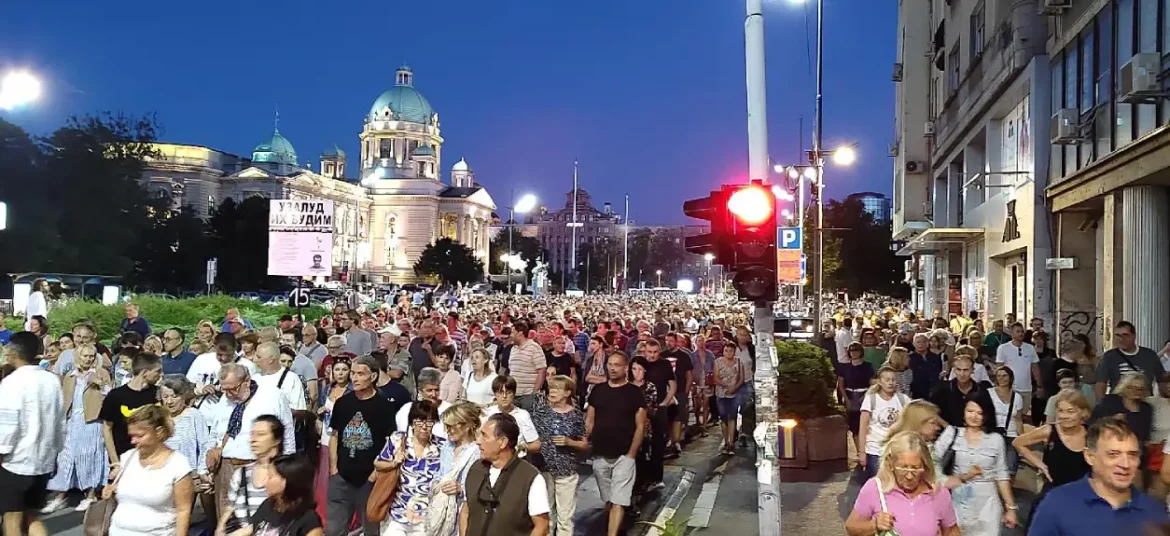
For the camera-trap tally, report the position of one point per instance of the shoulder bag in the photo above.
(882, 499)
(382, 495)
(233, 522)
(96, 521)
(442, 509)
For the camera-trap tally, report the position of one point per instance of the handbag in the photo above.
(234, 523)
(882, 498)
(96, 521)
(442, 509)
(378, 505)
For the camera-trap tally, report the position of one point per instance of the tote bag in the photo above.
(96, 521)
(378, 505)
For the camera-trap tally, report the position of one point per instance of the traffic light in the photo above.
(752, 234)
(716, 243)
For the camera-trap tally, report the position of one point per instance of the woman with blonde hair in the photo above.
(898, 360)
(456, 455)
(903, 496)
(1063, 460)
(920, 417)
(1128, 401)
(154, 490)
(477, 383)
(205, 332)
(153, 345)
(880, 409)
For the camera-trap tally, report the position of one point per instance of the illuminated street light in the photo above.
(844, 156)
(710, 257)
(526, 203)
(659, 273)
(18, 88)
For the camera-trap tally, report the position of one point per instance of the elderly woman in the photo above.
(416, 451)
(82, 463)
(428, 389)
(974, 460)
(561, 426)
(205, 332)
(1128, 402)
(1063, 460)
(461, 421)
(903, 496)
(190, 438)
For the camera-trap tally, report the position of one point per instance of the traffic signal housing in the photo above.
(751, 231)
(716, 243)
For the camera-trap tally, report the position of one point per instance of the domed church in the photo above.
(383, 219)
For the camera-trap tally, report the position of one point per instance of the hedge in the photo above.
(163, 313)
(806, 384)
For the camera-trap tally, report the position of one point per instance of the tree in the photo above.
(172, 255)
(450, 261)
(239, 238)
(597, 263)
(857, 251)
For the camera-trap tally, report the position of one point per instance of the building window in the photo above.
(385, 148)
(1147, 42)
(1056, 163)
(1123, 132)
(978, 31)
(953, 72)
(210, 204)
(1071, 100)
(1102, 125)
(1088, 99)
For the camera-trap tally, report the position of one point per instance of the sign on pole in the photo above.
(788, 255)
(300, 237)
(298, 298)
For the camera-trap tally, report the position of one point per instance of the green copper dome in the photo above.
(405, 102)
(423, 150)
(278, 150)
(333, 152)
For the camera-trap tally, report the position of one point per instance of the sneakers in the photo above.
(53, 505)
(672, 452)
(83, 505)
(657, 486)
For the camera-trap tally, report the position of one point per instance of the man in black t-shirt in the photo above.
(680, 361)
(659, 373)
(395, 392)
(559, 361)
(615, 424)
(362, 421)
(121, 402)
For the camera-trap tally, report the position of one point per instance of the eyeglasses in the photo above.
(909, 470)
(424, 424)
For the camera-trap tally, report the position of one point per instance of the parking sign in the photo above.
(788, 238)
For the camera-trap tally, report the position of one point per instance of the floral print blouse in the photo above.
(417, 475)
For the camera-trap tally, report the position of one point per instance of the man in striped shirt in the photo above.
(527, 365)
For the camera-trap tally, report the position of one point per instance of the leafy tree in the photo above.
(858, 254)
(172, 255)
(239, 238)
(527, 247)
(597, 263)
(450, 261)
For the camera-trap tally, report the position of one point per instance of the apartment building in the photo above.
(1110, 167)
(969, 179)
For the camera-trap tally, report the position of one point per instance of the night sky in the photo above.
(648, 95)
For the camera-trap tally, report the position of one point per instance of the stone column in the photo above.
(1112, 273)
(459, 236)
(1146, 254)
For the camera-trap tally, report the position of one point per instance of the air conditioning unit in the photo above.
(928, 128)
(1054, 7)
(893, 149)
(915, 166)
(1138, 79)
(1065, 126)
(897, 77)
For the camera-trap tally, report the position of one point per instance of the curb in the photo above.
(670, 506)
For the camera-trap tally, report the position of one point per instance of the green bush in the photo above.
(163, 313)
(806, 384)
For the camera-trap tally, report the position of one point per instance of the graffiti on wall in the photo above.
(1080, 323)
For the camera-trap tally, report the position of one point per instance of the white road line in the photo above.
(701, 512)
(672, 503)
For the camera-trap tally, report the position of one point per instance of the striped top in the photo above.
(191, 439)
(525, 364)
(245, 501)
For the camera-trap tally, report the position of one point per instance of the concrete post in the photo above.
(1146, 254)
(1112, 279)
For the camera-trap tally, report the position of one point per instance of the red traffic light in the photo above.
(752, 205)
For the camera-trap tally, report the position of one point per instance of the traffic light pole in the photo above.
(768, 476)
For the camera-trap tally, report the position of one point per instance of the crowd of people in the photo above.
(445, 414)
(942, 410)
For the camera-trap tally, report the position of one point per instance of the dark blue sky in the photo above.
(648, 95)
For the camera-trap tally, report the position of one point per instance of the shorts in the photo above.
(1012, 461)
(22, 493)
(680, 411)
(729, 407)
(615, 479)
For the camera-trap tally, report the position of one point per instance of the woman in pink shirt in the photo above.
(903, 496)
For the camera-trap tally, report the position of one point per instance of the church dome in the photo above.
(423, 150)
(461, 165)
(278, 149)
(333, 152)
(405, 102)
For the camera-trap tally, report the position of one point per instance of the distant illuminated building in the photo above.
(875, 204)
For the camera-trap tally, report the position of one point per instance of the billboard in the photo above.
(300, 237)
(789, 260)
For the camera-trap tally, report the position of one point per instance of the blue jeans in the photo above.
(871, 465)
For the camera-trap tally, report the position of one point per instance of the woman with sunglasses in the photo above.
(417, 453)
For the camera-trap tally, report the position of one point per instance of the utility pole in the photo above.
(573, 225)
(818, 160)
(768, 475)
(626, 246)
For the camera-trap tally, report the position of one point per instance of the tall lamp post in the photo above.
(526, 204)
(659, 273)
(710, 284)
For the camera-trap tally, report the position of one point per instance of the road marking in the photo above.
(672, 503)
(701, 512)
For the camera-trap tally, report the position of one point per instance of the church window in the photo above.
(385, 149)
(210, 203)
(329, 169)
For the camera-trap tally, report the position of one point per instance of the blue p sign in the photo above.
(788, 237)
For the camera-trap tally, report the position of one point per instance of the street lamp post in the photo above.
(659, 273)
(18, 88)
(710, 284)
(527, 203)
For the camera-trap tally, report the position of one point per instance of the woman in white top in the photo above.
(1009, 410)
(477, 382)
(154, 491)
(880, 409)
(38, 303)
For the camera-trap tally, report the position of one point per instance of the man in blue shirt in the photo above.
(5, 333)
(134, 322)
(176, 358)
(1104, 502)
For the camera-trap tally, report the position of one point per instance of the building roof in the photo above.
(278, 149)
(459, 191)
(405, 102)
(424, 150)
(461, 165)
(333, 152)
